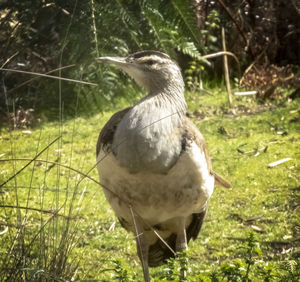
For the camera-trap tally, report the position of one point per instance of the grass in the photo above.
(55, 223)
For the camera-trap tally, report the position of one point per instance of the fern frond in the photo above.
(129, 22)
(289, 266)
(156, 22)
(189, 48)
(187, 19)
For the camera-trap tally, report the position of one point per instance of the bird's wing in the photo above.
(192, 133)
(159, 251)
(107, 133)
(195, 226)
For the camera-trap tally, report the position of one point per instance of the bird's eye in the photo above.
(150, 62)
(129, 60)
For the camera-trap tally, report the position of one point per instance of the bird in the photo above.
(153, 162)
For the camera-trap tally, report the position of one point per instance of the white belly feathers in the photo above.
(184, 190)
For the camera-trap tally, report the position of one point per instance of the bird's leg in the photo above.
(181, 242)
(141, 245)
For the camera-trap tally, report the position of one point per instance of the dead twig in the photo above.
(9, 59)
(226, 71)
(225, 53)
(237, 25)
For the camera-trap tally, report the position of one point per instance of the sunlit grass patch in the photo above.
(56, 224)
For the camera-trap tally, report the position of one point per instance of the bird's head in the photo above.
(153, 70)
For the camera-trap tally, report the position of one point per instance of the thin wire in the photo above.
(32, 160)
(49, 76)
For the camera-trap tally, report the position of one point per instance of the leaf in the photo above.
(257, 228)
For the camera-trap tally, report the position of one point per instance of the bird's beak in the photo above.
(118, 61)
(130, 68)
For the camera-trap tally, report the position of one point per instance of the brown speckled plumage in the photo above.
(153, 162)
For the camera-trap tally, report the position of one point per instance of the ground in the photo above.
(56, 223)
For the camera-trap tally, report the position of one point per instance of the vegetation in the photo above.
(55, 223)
(63, 38)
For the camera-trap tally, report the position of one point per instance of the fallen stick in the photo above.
(245, 93)
(279, 162)
(226, 71)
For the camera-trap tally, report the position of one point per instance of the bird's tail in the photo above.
(160, 251)
(221, 181)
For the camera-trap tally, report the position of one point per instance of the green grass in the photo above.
(61, 227)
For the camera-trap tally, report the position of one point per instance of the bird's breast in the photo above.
(183, 190)
(148, 142)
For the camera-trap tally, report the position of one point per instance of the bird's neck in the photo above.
(149, 134)
(169, 99)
